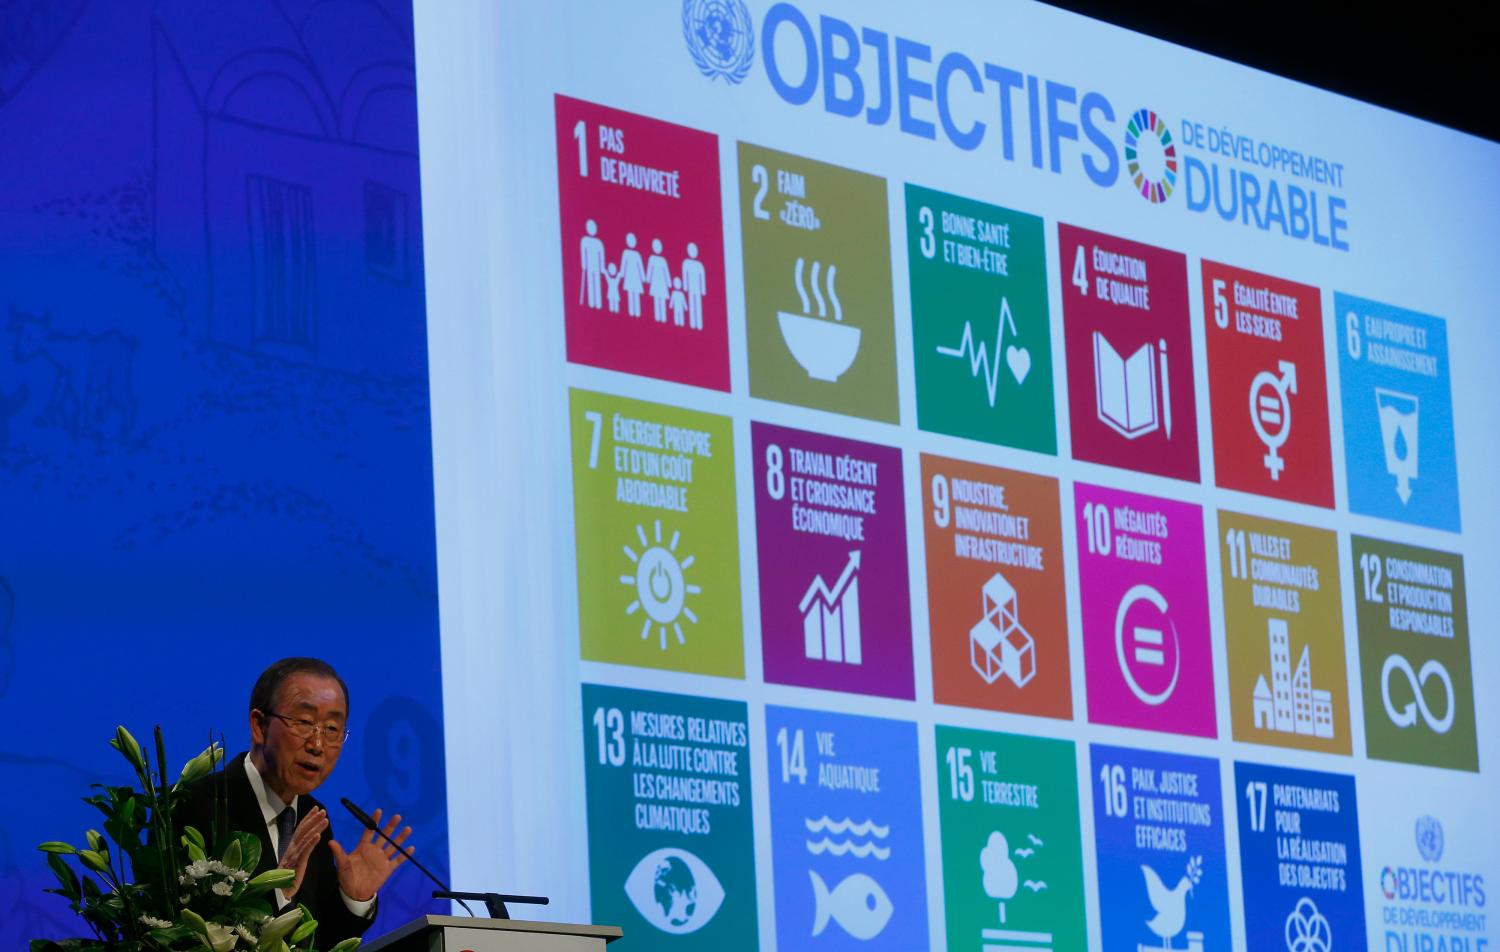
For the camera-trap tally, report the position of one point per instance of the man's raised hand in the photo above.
(363, 871)
(297, 852)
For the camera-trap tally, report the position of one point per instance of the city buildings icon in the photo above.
(830, 617)
(1290, 704)
(998, 644)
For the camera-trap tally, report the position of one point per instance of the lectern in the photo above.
(457, 934)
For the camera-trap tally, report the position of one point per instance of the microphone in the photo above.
(494, 903)
(368, 822)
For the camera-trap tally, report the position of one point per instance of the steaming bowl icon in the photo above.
(823, 348)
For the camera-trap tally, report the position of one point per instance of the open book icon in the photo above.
(1126, 391)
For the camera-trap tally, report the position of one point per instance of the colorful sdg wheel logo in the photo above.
(1150, 156)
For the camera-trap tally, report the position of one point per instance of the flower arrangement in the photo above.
(150, 886)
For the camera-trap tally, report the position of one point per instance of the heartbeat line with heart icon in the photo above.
(1018, 359)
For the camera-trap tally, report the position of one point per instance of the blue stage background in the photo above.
(215, 443)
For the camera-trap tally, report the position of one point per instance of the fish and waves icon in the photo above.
(846, 837)
(858, 903)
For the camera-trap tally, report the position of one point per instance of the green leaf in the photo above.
(190, 834)
(96, 842)
(65, 876)
(348, 945)
(174, 933)
(233, 853)
(54, 846)
(195, 922)
(128, 838)
(194, 851)
(249, 851)
(303, 931)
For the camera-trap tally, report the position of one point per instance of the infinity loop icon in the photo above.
(1406, 716)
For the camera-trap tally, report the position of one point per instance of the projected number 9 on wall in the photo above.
(995, 600)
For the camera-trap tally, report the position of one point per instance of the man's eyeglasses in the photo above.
(332, 735)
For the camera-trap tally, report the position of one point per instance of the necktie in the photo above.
(286, 822)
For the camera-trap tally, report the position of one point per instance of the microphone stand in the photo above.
(494, 902)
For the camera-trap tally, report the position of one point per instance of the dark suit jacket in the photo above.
(320, 884)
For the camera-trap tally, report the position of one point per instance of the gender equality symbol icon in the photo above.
(1271, 412)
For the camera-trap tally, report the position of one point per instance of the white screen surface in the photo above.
(533, 609)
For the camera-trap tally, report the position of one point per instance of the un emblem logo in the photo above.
(720, 37)
(1430, 838)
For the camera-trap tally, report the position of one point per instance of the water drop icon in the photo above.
(1400, 449)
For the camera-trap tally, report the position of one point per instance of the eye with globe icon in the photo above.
(674, 891)
(661, 585)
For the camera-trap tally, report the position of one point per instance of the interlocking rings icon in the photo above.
(1307, 929)
(1406, 715)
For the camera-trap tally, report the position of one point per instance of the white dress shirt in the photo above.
(270, 808)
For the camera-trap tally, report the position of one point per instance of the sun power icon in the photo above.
(661, 585)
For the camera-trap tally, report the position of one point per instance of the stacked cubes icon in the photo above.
(998, 645)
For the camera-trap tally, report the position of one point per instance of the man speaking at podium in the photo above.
(299, 712)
